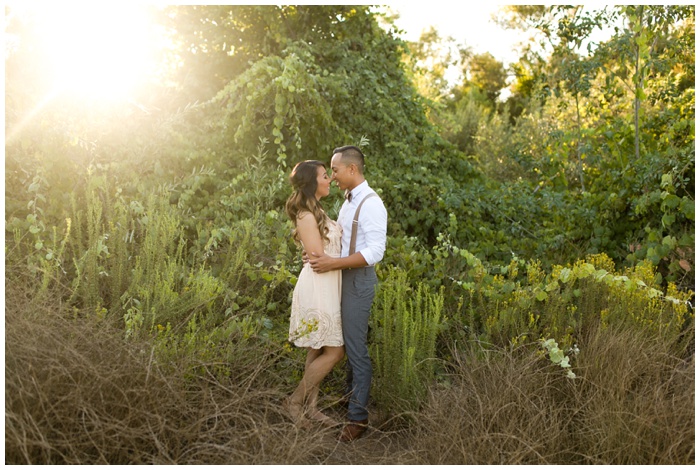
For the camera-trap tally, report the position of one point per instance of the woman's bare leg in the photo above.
(313, 412)
(319, 362)
(312, 396)
(295, 403)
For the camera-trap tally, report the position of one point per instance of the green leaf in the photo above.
(508, 287)
(671, 201)
(565, 275)
(688, 208)
(556, 355)
(651, 293)
(585, 270)
(666, 180)
(668, 219)
(670, 241)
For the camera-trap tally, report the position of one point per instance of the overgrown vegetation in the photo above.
(405, 323)
(631, 403)
(149, 265)
(76, 393)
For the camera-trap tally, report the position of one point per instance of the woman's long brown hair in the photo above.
(303, 199)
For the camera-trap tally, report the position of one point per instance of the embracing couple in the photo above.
(333, 296)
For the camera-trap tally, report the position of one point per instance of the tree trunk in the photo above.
(638, 85)
(578, 144)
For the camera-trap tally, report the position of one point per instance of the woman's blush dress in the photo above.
(315, 319)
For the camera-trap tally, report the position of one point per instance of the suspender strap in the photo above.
(353, 236)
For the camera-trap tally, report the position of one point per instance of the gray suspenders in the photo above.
(353, 235)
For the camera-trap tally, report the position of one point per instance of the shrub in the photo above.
(404, 324)
(502, 306)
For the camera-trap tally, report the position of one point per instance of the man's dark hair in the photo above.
(352, 154)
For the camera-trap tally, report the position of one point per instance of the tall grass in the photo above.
(77, 393)
(509, 309)
(132, 260)
(633, 402)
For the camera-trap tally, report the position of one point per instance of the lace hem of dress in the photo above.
(315, 329)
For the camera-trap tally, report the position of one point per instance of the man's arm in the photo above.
(325, 263)
(374, 225)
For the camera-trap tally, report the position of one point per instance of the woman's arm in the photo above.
(310, 236)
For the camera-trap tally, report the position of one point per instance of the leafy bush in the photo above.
(501, 305)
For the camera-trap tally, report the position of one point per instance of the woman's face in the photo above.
(323, 182)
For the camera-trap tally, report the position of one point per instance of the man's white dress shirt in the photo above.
(371, 228)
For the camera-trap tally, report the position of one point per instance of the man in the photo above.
(359, 277)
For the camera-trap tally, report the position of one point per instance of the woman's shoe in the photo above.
(295, 412)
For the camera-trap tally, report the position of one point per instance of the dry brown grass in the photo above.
(77, 393)
(500, 407)
(632, 403)
(637, 399)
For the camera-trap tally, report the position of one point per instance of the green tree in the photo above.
(638, 46)
(428, 60)
(488, 74)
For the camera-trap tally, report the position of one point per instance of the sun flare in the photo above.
(99, 51)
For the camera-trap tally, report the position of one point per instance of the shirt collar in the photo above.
(359, 189)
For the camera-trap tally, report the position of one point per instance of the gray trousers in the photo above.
(356, 304)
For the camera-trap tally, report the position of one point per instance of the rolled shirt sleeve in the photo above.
(372, 225)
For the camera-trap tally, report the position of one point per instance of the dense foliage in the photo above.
(565, 208)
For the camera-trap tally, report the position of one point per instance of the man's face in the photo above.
(341, 173)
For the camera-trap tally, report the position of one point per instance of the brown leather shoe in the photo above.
(353, 430)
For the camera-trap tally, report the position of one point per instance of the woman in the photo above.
(315, 320)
